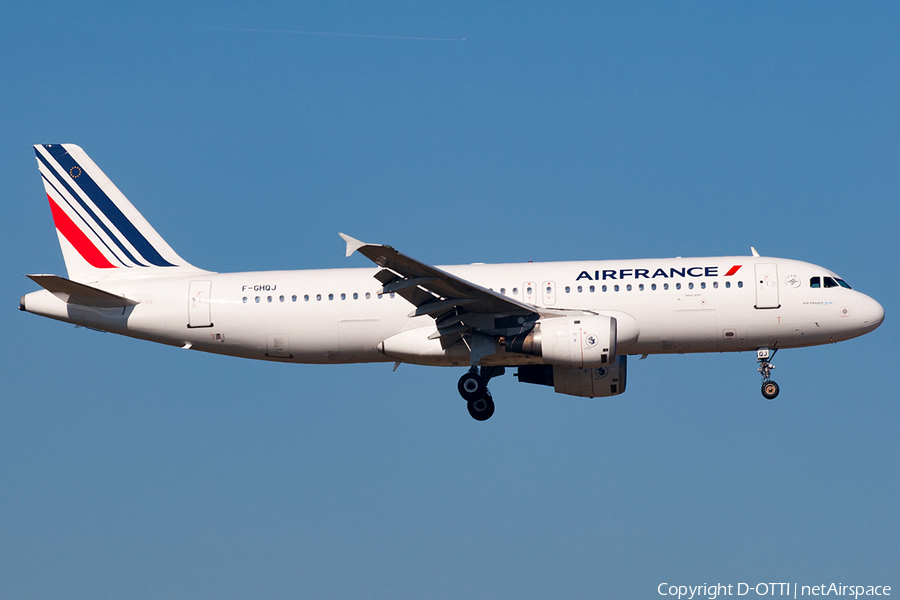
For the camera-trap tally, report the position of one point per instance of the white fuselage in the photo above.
(337, 315)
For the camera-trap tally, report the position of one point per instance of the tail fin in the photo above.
(100, 232)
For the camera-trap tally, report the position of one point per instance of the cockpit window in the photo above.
(829, 282)
(814, 282)
(843, 283)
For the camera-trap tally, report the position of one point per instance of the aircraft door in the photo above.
(767, 286)
(549, 293)
(198, 304)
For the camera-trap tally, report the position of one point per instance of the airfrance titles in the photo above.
(671, 272)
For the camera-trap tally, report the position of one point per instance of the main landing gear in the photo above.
(473, 388)
(769, 387)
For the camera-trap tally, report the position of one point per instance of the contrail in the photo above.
(336, 34)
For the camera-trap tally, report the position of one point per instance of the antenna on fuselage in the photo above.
(753, 251)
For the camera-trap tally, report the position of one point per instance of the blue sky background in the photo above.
(581, 131)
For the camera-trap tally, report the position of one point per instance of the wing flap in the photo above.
(438, 306)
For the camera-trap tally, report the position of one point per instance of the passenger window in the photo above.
(245, 299)
(528, 290)
(392, 294)
(343, 296)
(294, 298)
(616, 287)
(368, 295)
(318, 297)
(678, 286)
(269, 299)
(641, 287)
(331, 296)
(814, 282)
(281, 298)
(257, 299)
(628, 287)
(691, 285)
(568, 289)
(715, 285)
(604, 288)
(503, 291)
(580, 289)
(740, 284)
(702, 285)
(515, 291)
(653, 286)
(355, 296)
(306, 297)
(665, 286)
(727, 285)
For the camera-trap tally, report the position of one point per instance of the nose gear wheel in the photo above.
(769, 390)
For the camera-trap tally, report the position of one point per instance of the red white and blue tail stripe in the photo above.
(100, 232)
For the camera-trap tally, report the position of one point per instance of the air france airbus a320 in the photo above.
(569, 325)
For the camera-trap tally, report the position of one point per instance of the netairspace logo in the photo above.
(713, 591)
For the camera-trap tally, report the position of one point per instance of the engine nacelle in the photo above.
(595, 382)
(583, 341)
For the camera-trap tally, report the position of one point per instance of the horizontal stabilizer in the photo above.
(71, 292)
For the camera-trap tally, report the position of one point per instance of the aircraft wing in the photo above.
(458, 306)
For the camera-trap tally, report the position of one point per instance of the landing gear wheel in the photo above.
(769, 390)
(482, 408)
(472, 387)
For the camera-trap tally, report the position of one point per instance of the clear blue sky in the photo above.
(649, 129)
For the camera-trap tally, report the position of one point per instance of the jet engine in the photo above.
(589, 383)
(582, 341)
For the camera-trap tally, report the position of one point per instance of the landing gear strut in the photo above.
(473, 388)
(769, 387)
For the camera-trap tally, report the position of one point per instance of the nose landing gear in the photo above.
(769, 388)
(473, 389)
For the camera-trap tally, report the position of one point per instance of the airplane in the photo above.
(568, 325)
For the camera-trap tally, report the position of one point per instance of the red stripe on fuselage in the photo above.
(76, 237)
(733, 270)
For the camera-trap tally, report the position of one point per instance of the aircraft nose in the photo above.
(873, 313)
